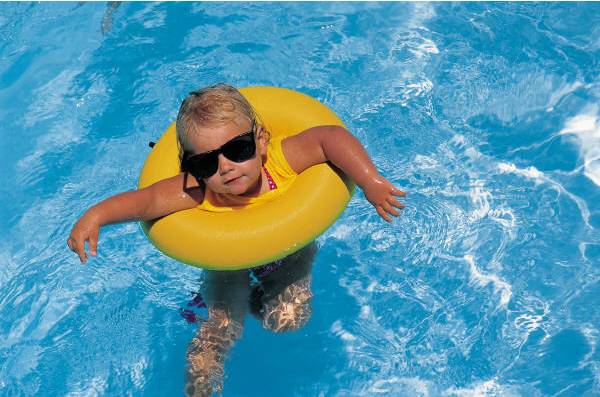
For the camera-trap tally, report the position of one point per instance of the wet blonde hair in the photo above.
(211, 106)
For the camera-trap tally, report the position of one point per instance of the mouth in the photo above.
(232, 180)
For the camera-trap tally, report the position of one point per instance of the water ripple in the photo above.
(484, 113)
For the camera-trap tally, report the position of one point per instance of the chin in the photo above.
(238, 189)
(243, 189)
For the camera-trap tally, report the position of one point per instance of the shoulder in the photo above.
(305, 149)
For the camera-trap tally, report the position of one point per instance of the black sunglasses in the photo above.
(238, 149)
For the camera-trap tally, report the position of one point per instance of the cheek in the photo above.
(211, 182)
(253, 166)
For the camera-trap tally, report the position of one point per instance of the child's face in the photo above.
(240, 179)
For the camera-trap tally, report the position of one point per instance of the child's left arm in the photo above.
(333, 143)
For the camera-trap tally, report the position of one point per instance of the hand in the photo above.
(87, 228)
(380, 192)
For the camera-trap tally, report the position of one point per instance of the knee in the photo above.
(286, 319)
(290, 310)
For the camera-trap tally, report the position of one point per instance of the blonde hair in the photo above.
(210, 106)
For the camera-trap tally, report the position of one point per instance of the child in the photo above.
(223, 145)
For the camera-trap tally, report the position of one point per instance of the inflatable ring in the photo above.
(255, 235)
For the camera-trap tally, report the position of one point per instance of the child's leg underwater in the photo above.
(283, 297)
(226, 295)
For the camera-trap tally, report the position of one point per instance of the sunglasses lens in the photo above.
(240, 149)
(204, 166)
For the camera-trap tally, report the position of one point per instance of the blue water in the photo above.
(487, 114)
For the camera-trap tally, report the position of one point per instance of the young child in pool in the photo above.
(224, 145)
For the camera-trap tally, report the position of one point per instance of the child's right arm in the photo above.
(162, 198)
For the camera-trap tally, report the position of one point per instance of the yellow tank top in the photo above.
(281, 172)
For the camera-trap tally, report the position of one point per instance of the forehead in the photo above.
(206, 138)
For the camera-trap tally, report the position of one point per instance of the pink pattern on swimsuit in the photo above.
(272, 185)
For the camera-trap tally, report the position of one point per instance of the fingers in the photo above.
(398, 192)
(93, 242)
(389, 206)
(383, 214)
(78, 247)
(389, 209)
(395, 202)
(381, 194)
(80, 250)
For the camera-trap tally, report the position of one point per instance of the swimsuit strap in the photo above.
(272, 185)
(262, 271)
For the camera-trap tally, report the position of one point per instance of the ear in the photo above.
(262, 139)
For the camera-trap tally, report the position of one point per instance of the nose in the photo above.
(225, 165)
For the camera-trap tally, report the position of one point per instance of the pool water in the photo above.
(486, 114)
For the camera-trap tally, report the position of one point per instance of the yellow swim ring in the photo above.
(259, 234)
